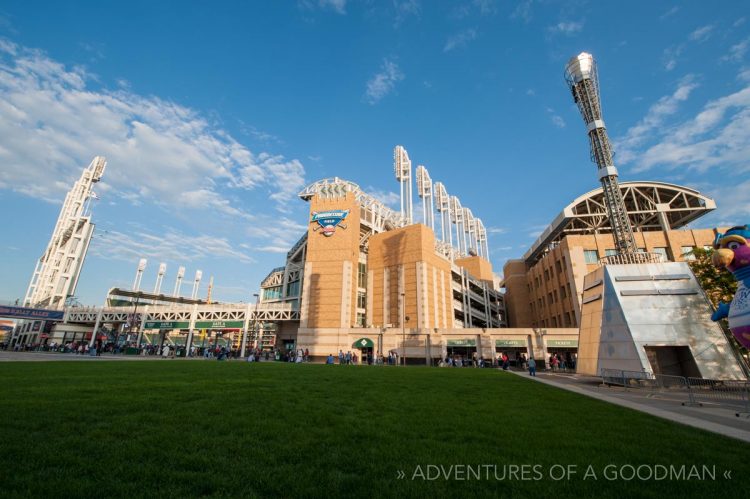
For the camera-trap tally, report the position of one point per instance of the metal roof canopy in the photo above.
(648, 204)
(143, 295)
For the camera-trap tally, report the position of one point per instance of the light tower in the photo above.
(424, 191)
(160, 278)
(139, 274)
(470, 231)
(457, 217)
(178, 282)
(484, 249)
(402, 169)
(581, 75)
(57, 270)
(196, 284)
(443, 207)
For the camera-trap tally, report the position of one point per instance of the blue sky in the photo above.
(213, 115)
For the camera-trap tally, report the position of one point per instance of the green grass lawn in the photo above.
(189, 428)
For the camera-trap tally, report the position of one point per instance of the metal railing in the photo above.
(729, 393)
(629, 258)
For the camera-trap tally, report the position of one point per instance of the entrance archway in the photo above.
(367, 350)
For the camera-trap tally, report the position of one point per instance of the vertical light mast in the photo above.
(582, 78)
(402, 169)
(57, 270)
(424, 191)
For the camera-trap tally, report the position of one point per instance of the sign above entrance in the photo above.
(31, 313)
(329, 220)
(562, 343)
(510, 343)
(462, 343)
(363, 343)
(218, 324)
(166, 325)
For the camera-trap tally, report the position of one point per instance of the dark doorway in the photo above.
(673, 361)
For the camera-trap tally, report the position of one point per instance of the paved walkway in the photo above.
(710, 417)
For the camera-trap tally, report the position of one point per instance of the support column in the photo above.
(244, 331)
(96, 327)
(191, 328)
(141, 324)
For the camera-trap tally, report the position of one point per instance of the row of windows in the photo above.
(592, 256)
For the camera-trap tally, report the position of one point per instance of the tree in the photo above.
(718, 284)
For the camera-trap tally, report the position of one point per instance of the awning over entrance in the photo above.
(462, 343)
(511, 343)
(562, 343)
(363, 343)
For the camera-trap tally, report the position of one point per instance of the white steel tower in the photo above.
(457, 217)
(178, 282)
(196, 284)
(56, 274)
(402, 169)
(139, 274)
(424, 191)
(581, 76)
(160, 278)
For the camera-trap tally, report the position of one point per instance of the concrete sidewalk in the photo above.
(710, 417)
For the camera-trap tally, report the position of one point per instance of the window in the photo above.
(591, 256)
(567, 319)
(662, 252)
(361, 300)
(362, 275)
(273, 293)
(554, 322)
(610, 252)
(292, 289)
(562, 292)
(687, 253)
(558, 267)
(360, 319)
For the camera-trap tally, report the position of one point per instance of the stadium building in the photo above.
(544, 289)
(364, 277)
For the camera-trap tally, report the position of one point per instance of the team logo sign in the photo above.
(329, 220)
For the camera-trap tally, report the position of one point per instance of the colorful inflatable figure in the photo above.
(732, 251)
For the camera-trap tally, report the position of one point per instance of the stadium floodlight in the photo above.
(139, 274)
(196, 284)
(424, 191)
(402, 169)
(178, 282)
(581, 76)
(160, 277)
(457, 217)
(56, 274)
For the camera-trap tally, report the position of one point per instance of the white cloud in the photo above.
(701, 34)
(389, 198)
(459, 40)
(523, 11)
(556, 119)
(627, 147)
(337, 5)
(715, 137)
(170, 244)
(383, 82)
(496, 230)
(52, 123)
(405, 9)
(737, 52)
(670, 56)
(670, 12)
(566, 27)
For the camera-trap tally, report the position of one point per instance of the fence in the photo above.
(730, 393)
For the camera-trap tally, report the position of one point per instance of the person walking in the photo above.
(532, 367)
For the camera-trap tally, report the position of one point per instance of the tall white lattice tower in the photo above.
(582, 78)
(402, 169)
(57, 271)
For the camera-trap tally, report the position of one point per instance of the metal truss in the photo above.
(650, 206)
